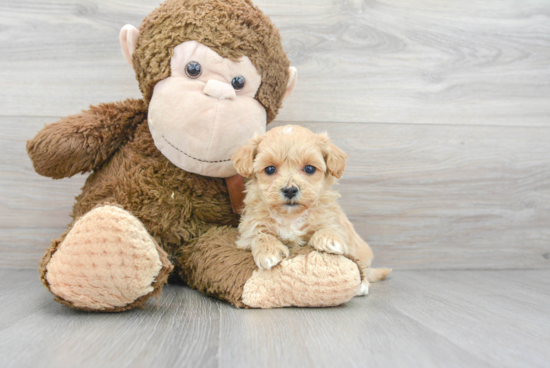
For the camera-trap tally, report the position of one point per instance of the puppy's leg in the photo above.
(329, 241)
(268, 251)
(361, 251)
(364, 289)
(372, 275)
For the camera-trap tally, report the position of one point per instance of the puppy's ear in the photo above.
(243, 159)
(334, 157)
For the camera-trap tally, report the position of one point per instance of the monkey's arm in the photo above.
(82, 142)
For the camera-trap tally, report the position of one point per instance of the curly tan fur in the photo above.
(273, 222)
(232, 28)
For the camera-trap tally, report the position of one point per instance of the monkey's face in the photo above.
(205, 110)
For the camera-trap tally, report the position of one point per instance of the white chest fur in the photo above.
(291, 229)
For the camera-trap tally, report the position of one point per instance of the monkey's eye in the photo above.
(193, 69)
(270, 170)
(238, 82)
(308, 169)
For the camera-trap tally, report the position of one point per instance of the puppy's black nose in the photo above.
(290, 192)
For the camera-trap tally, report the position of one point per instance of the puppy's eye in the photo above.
(308, 169)
(270, 170)
(238, 82)
(193, 69)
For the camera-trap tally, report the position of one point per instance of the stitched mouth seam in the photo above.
(194, 158)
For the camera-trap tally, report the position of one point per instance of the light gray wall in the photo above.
(444, 107)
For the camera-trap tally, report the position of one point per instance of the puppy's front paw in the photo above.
(268, 252)
(329, 242)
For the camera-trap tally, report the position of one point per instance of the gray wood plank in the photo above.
(21, 294)
(482, 317)
(363, 333)
(414, 318)
(23, 247)
(450, 323)
(451, 62)
(527, 280)
(530, 288)
(423, 196)
(37, 332)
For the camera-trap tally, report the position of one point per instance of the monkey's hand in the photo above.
(82, 142)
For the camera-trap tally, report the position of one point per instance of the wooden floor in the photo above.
(414, 319)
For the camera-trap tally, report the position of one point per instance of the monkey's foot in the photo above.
(214, 265)
(313, 279)
(106, 262)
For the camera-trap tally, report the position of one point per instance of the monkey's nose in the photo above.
(290, 192)
(220, 90)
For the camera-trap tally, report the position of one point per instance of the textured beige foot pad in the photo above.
(311, 280)
(107, 261)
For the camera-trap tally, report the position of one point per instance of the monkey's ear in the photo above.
(334, 157)
(243, 159)
(293, 75)
(128, 39)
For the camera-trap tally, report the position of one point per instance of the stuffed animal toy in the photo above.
(157, 202)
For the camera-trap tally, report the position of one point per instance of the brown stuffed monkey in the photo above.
(212, 73)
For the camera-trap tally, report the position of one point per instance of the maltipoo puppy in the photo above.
(290, 201)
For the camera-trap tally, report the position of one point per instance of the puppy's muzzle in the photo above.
(290, 192)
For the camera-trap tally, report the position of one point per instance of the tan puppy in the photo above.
(290, 201)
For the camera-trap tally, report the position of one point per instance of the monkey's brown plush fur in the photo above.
(188, 216)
